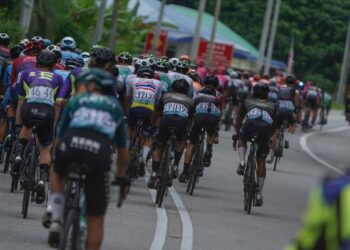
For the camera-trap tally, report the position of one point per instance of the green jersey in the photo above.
(99, 113)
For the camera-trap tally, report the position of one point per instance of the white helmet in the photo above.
(55, 49)
(173, 62)
(68, 43)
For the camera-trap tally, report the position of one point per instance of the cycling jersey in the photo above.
(223, 81)
(166, 83)
(175, 104)
(40, 86)
(144, 92)
(4, 52)
(175, 76)
(20, 64)
(100, 113)
(256, 109)
(273, 93)
(286, 99)
(207, 104)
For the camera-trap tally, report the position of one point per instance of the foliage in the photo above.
(318, 27)
(8, 17)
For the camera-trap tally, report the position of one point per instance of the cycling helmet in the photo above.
(46, 58)
(16, 51)
(56, 50)
(145, 72)
(141, 63)
(85, 55)
(162, 65)
(4, 39)
(273, 83)
(211, 80)
(180, 86)
(185, 58)
(47, 42)
(94, 48)
(103, 80)
(115, 71)
(182, 67)
(208, 90)
(165, 58)
(68, 43)
(125, 57)
(261, 91)
(37, 39)
(72, 63)
(290, 80)
(103, 55)
(173, 62)
(152, 61)
(193, 75)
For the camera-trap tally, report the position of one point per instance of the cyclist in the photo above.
(207, 115)
(312, 102)
(86, 57)
(196, 81)
(176, 110)
(288, 104)
(258, 115)
(68, 47)
(91, 123)
(39, 90)
(142, 93)
(173, 62)
(231, 99)
(326, 221)
(4, 46)
(181, 70)
(162, 69)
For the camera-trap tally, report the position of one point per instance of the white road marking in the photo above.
(303, 143)
(187, 228)
(162, 222)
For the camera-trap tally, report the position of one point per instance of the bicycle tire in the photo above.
(14, 184)
(245, 188)
(196, 167)
(29, 181)
(250, 183)
(70, 231)
(163, 183)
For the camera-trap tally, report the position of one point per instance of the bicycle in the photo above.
(30, 173)
(250, 179)
(9, 144)
(164, 176)
(196, 167)
(323, 118)
(228, 121)
(278, 151)
(135, 150)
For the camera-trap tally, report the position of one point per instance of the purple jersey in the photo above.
(40, 86)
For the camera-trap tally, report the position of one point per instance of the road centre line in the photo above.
(303, 143)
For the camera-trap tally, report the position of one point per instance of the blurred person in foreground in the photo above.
(326, 224)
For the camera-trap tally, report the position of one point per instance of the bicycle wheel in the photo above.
(163, 182)
(197, 163)
(250, 188)
(29, 182)
(71, 231)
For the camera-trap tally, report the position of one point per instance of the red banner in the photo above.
(222, 53)
(161, 43)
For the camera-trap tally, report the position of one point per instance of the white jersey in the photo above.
(175, 76)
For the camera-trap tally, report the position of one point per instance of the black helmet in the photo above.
(125, 57)
(4, 39)
(46, 58)
(208, 90)
(72, 63)
(290, 80)
(115, 70)
(145, 72)
(211, 80)
(103, 80)
(193, 75)
(16, 51)
(261, 90)
(103, 56)
(182, 67)
(180, 86)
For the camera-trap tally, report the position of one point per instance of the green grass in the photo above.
(338, 106)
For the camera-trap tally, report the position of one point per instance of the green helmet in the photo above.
(103, 80)
(94, 48)
(162, 65)
(125, 57)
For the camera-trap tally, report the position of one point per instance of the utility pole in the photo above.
(213, 32)
(157, 31)
(263, 37)
(26, 15)
(344, 69)
(272, 36)
(113, 31)
(195, 40)
(99, 24)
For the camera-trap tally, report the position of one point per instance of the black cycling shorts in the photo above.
(41, 115)
(168, 121)
(285, 116)
(209, 122)
(87, 147)
(137, 113)
(262, 129)
(311, 102)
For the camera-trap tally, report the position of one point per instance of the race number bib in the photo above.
(204, 107)
(142, 96)
(175, 109)
(256, 113)
(286, 106)
(41, 94)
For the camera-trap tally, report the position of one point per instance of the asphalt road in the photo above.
(213, 217)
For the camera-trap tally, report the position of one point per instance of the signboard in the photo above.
(222, 53)
(161, 43)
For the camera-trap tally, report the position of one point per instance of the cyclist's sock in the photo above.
(155, 166)
(177, 158)
(209, 147)
(261, 181)
(145, 151)
(241, 153)
(10, 123)
(57, 202)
